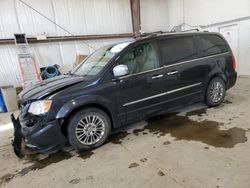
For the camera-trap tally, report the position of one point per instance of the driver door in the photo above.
(138, 93)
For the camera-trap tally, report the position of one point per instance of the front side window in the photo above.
(141, 58)
(211, 45)
(177, 49)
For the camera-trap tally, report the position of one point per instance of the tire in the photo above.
(215, 93)
(88, 129)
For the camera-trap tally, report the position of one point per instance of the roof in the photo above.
(166, 34)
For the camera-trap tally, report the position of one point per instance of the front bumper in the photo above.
(41, 137)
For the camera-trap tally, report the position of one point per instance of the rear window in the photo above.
(177, 49)
(211, 45)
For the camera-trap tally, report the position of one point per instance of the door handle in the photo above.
(172, 73)
(157, 77)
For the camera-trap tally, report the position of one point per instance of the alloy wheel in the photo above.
(216, 92)
(90, 129)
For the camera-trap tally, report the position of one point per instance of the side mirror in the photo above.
(120, 70)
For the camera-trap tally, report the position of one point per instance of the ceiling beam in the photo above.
(69, 38)
(136, 18)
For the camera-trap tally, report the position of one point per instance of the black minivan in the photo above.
(122, 83)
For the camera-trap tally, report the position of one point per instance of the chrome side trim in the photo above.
(176, 64)
(145, 99)
(162, 94)
(183, 88)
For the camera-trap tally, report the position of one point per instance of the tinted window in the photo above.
(212, 44)
(140, 59)
(177, 50)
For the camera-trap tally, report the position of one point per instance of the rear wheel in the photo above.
(88, 129)
(216, 91)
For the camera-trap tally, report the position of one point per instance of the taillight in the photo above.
(233, 62)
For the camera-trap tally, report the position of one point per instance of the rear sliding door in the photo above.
(183, 72)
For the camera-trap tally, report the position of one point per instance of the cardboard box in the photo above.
(79, 59)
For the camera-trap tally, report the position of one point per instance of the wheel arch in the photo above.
(215, 74)
(73, 106)
(223, 79)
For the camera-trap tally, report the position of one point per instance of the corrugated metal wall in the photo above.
(154, 15)
(77, 16)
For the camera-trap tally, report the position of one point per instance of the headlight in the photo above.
(40, 107)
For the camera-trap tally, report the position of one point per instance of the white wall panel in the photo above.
(9, 69)
(154, 15)
(47, 54)
(77, 16)
(120, 11)
(63, 16)
(31, 22)
(204, 12)
(68, 53)
(175, 13)
(244, 48)
(8, 20)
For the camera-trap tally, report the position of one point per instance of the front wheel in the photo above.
(216, 91)
(88, 129)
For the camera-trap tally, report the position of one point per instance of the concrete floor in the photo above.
(200, 148)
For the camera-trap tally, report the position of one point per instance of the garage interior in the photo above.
(194, 147)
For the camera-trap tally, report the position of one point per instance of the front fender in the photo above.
(84, 100)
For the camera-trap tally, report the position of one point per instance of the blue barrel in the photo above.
(2, 105)
(51, 71)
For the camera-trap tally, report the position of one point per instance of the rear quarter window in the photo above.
(176, 50)
(211, 45)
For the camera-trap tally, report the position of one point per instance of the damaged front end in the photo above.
(36, 126)
(37, 133)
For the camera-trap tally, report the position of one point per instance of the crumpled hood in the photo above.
(48, 86)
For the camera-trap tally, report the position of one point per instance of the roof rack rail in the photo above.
(153, 34)
(190, 30)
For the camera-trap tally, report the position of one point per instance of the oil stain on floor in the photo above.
(85, 155)
(75, 181)
(183, 128)
(160, 173)
(38, 164)
(133, 165)
(198, 112)
(6, 178)
(118, 137)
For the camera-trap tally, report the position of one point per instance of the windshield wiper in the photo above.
(73, 74)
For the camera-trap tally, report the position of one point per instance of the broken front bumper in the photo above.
(41, 137)
(17, 141)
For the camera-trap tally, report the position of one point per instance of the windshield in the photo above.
(95, 63)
